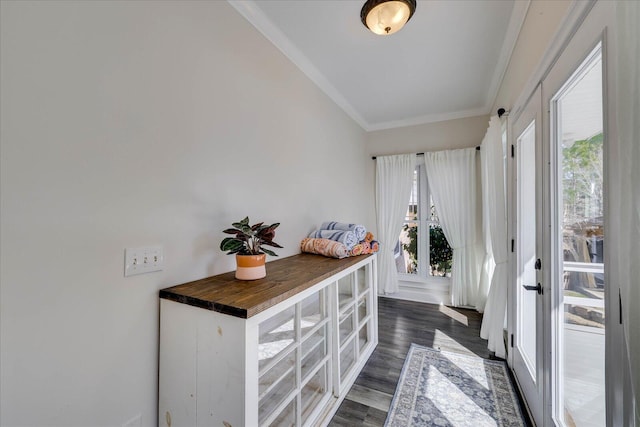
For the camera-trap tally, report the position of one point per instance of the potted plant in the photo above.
(248, 246)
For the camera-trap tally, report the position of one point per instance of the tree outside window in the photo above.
(413, 242)
(583, 211)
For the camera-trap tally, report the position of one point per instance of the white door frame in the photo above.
(533, 389)
(593, 31)
(586, 24)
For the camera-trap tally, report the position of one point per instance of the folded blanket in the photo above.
(347, 238)
(326, 247)
(356, 228)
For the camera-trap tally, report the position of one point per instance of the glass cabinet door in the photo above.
(354, 299)
(313, 391)
(309, 351)
(287, 417)
(276, 385)
(346, 291)
(363, 281)
(313, 311)
(294, 362)
(276, 335)
(314, 350)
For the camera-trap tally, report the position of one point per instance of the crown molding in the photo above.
(259, 20)
(429, 118)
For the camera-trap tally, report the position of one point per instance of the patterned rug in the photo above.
(439, 388)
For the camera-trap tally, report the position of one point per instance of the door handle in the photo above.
(537, 288)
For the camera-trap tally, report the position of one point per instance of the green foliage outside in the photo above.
(582, 179)
(440, 253)
(412, 247)
(583, 209)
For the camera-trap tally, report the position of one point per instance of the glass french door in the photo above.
(578, 237)
(563, 309)
(527, 295)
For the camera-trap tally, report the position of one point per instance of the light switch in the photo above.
(143, 260)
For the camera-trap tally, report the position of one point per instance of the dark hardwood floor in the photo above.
(400, 324)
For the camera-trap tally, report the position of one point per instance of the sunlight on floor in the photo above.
(454, 314)
(478, 377)
(443, 341)
(454, 403)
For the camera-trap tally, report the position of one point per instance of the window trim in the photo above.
(424, 243)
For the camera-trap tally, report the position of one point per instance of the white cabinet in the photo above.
(280, 351)
(294, 362)
(354, 302)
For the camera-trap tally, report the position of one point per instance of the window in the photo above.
(421, 235)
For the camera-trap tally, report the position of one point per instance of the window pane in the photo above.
(406, 252)
(581, 352)
(412, 209)
(440, 253)
(433, 214)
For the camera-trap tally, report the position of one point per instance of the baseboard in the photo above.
(429, 294)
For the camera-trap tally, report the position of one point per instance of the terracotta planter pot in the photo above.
(250, 267)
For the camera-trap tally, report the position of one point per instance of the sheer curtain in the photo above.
(494, 204)
(394, 177)
(452, 180)
(628, 192)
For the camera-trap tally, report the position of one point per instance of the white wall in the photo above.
(136, 123)
(445, 135)
(541, 23)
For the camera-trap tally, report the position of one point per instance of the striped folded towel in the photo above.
(326, 247)
(347, 238)
(360, 231)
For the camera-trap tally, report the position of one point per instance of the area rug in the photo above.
(438, 388)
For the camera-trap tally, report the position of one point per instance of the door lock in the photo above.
(537, 288)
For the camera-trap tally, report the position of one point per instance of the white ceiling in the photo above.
(446, 63)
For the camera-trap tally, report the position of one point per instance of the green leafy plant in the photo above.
(440, 254)
(250, 239)
(411, 246)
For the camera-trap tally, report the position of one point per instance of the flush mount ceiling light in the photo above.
(385, 17)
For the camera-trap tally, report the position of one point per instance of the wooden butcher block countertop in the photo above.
(285, 277)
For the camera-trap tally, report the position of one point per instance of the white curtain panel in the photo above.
(452, 180)
(394, 177)
(488, 264)
(628, 192)
(495, 208)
